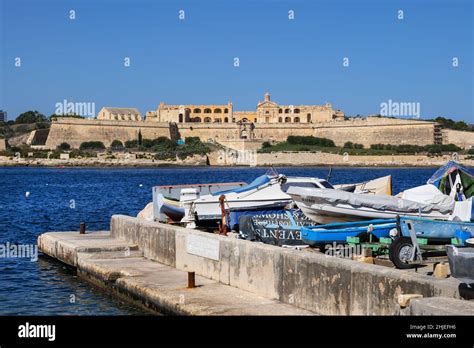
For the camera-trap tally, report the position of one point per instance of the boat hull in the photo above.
(338, 232)
(433, 229)
(172, 211)
(324, 214)
(275, 227)
(208, 218)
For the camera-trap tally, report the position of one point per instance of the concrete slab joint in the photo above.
(310, 281)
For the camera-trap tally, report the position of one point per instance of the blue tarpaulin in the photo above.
(445, 170)
(445, 177)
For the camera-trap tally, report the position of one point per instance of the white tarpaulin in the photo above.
(317, 196)
(427, 194)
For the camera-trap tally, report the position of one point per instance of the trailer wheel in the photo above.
(399, 252)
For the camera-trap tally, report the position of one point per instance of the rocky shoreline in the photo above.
(274, 159)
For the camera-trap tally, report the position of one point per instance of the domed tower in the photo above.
(267, 97)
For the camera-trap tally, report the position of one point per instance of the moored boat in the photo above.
(172, 209)
(327, 206)
(378, 186)
(264, 193)
(169, 200)
(446, 196)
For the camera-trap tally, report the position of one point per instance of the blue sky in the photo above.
(192, 61)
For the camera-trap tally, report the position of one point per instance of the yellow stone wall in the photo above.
(462, 139)
(363, 131)
(119, 114)
(76, 131)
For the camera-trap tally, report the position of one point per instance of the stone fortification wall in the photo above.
(77, 131)
(368, 131)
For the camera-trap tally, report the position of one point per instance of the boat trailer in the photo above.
(404, 252)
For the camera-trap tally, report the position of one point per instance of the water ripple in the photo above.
(59, 199)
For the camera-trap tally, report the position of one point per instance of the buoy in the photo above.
(27, 194)
(141, 185)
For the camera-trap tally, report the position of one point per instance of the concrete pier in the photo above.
(149, 262)
(119, 266)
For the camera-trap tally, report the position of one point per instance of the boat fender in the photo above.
(393, 232)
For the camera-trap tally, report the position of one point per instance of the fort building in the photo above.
(271, 112)
(267, 111)
(119, 114)
(213, 113)
(269, 122)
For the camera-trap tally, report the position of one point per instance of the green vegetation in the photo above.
(411, 149)
(351, 145)
(168, 149)
(140, 137)
(314, 144)
(150, 144)
(165, 148)
(25, 151)
(64, 147)
(24, 123)
(92, 145)
(53, 117)
(30, 117)
(309, 140)
(81, 154)
(116, 145)
(301, 143)
(131, 144)
(451, 124)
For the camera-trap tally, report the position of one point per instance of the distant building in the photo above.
(3, 116)
(267, 111)
(271, 112)
(119, 114)
(211, 113)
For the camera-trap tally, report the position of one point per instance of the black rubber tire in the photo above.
(394, 252)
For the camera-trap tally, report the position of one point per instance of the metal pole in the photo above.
(191, 280)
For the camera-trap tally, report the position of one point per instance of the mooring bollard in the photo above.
(191, 280)
(82, 228)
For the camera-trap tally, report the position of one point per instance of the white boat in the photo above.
(326, 206)
(265, 192)
(378, 186)
(169, 200)
(447, 195)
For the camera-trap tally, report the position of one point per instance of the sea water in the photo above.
(37, 200)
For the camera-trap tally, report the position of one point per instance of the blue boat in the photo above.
(338, 232)
(434, 230)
